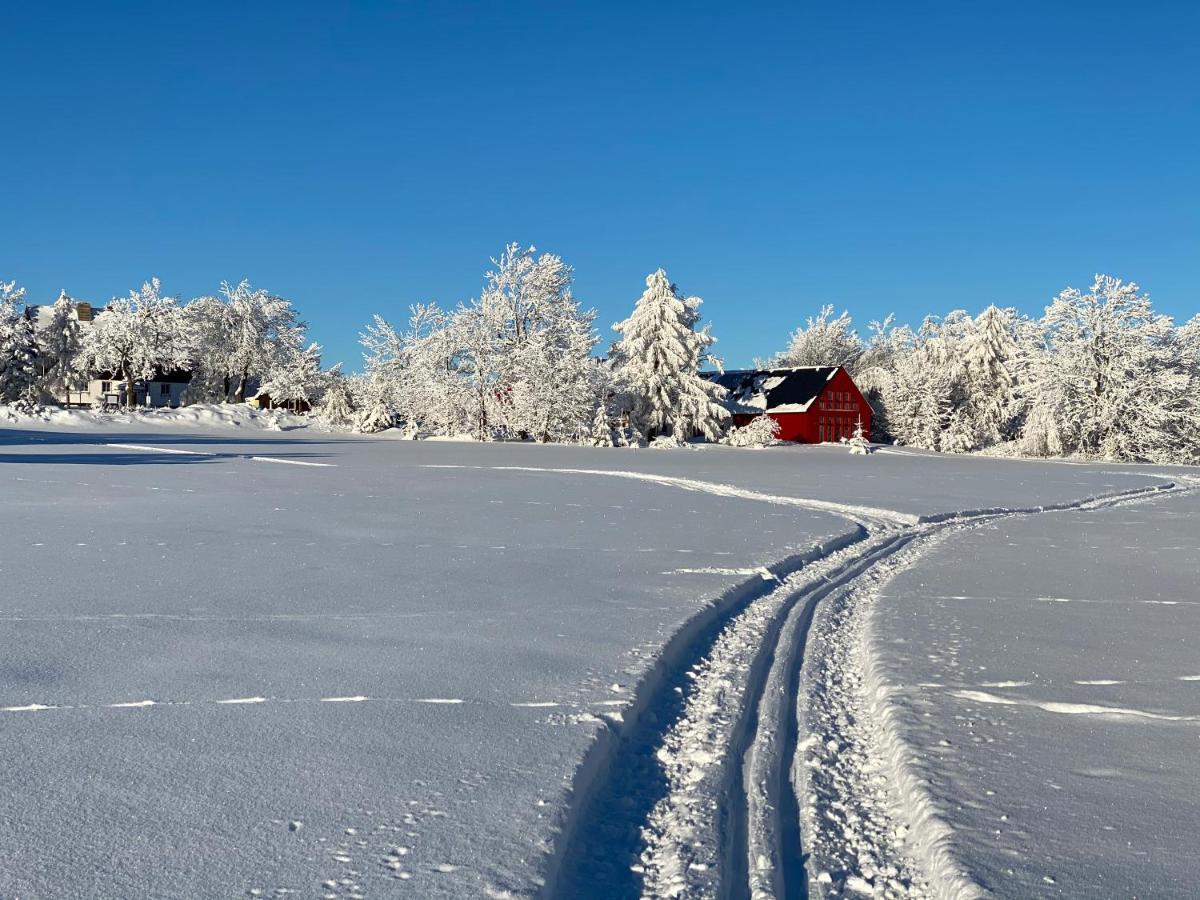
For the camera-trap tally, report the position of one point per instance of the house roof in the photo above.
(777, 390)
(43, 313)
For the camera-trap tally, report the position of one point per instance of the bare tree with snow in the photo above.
(136, 337)
(242, 333)
(823, 341)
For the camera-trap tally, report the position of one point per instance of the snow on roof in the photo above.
(43, 313)
(777, 390)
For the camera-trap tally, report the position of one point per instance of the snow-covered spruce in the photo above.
(18, 349)
(657, 362)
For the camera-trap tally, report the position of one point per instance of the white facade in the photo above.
(167, 391)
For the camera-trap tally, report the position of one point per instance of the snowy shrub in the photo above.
(668, 442)
(761, 431)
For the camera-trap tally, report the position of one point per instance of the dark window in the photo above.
(164, 390)
(106, 386)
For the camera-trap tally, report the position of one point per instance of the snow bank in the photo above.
(197, 415)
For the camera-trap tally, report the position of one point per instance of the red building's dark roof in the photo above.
(773, 390)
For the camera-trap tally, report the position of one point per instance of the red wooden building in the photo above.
(812, 404)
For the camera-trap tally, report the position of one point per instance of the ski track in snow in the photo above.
(860, 514)
(731, 763)
(733, 776)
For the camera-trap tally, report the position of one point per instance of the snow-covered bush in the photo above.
(761, 431)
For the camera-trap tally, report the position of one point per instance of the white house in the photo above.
(165, 389)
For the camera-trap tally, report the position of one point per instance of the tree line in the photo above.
(223, 341)
(1100, 374)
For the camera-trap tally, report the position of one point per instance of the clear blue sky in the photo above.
(357, 157)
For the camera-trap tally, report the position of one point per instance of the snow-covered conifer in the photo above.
(858, 443)
(658, 358)
(59, 344)
(371, 402)
(990, 362)
(18, 348)
(602, 429)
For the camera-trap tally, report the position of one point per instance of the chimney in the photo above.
(83, 312)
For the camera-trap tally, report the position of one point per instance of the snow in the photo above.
(532, 665)
(196, 415)
(1078, 764)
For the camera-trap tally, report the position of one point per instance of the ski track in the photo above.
(779, 767)
(752, 735)
(860, 514)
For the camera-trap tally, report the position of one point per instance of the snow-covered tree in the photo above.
(243, 333)
(602, 429)
(59, 345)
(336, 406)
(658, 360)
(18, 348)
(824, 341)
(1112, 382)
(858, 443)
(990, 372)
(136, 337)
(373, 411)
(517, 360)
(296, 379)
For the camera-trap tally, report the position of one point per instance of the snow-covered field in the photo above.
(1050, 695)
(239, 661)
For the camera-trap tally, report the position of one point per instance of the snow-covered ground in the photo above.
(1049, 692)
(253, 661)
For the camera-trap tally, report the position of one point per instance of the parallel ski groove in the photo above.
(761, 854)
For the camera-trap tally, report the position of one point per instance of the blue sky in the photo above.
(358, 157)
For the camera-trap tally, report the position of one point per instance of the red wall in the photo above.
(840, 405)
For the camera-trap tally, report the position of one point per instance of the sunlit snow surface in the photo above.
(224, 673)
(1048, 669)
